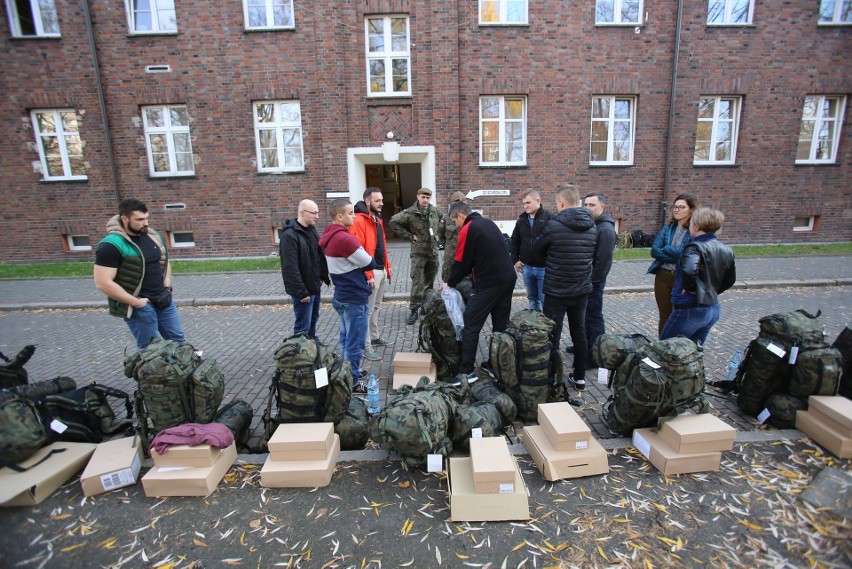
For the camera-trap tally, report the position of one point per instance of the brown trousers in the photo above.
(663, 286)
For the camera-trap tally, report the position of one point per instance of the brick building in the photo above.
(221, 116)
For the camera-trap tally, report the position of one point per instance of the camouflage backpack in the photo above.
(782, 409)
(22, 431)
(524, 361)
(843, 344)
(664, 379)
(478, 415)
(417, 421)
(294, 385)
(353, 427)
(624, 240)
(610, 350)
(237, 416)
(85, 413)
(13, 373)
(173, 385)
(487, 391)
(438, 336)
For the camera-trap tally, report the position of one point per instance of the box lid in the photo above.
(667, 460)
(412, 362)
(467, 505)
(697, 428)
(838, 408)
(60, 462)
(302, 436)
(560, 420)
(491, 460)
(112, 455)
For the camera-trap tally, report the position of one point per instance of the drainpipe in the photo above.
(101, 101)
(663, 206)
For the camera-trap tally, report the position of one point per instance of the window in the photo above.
(835, 12)
(276, 234)
(502, 131)
(151, 16)
(167, 140)
(612, 130)
(804, 223)
(278, 136)
(268, 14)
(29, 18)
(502, 11)
(388, 56)
(182, 239)
(820, 132)
(716, 133)
(59, 146)
(730, 12)
(79, 242)
(618, 12)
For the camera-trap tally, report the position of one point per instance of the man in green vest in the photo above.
(132, 268)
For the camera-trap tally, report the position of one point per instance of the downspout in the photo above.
(663, 202)
(101, 101)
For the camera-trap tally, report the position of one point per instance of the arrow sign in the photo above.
(476, 193)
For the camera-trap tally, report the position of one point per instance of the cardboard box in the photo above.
(834, 412)
(199, 456)
(493, 466)
(300, 473)
(115, 464)
(563, 426)
(670, 462)
(29, 488)
(188, 481)
(411, 362)
(698, 433)
(400, 379)
(301, 441)
(466, 505)
(556, 464)
(827, 437)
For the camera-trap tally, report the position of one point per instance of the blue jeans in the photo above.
(353, 331)
(307, 314)
(148, 322)
(534, 283)
(694, 323)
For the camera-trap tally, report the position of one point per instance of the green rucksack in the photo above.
(174, 386)
(610, 350)
(843, 345)
(782, 409)
(85, 413)
(525, 363)
(353, 427)
(22, 430)
(417, 421)
(488, 391)
(664, 379)
(624, 240)
(12, 373)
(294, 388)
(237, 416)
(437, 336)
(816, 372)
(478, 415)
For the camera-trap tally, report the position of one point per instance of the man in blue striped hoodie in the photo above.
(347, 262)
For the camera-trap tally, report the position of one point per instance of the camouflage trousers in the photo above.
(447, 265)
(423, 273)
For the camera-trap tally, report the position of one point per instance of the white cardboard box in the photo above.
(556, 464)
(400, 379)
(300, 473)
(834, 412)
(198, 456)
(183, 481)
(301, 441)
(115, 464)
(698, 433)
(468, 506)
(493, 466)
(670, 462)
(836, 443)
(61, 461)
(563, 426)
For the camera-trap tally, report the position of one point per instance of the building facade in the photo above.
(222, 116)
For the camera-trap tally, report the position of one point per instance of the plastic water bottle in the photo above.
(374, 404)
(734, 364)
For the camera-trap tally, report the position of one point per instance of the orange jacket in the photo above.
(364, 229)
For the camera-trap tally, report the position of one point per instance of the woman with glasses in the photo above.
(668, 245)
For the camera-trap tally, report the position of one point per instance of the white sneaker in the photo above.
(578, 384)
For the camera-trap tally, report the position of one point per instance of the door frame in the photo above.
(358, 158)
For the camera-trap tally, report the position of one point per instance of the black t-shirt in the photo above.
(379, 255)
(107, 255)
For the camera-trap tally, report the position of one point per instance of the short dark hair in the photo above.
(599, 195)
(129, 205)
(338, 207)
(459, 207)
(569, 194)
(370, 191)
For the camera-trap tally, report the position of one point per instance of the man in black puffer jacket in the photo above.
(569, 242)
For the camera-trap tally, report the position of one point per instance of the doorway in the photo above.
(399, 184)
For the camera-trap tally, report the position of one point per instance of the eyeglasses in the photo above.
(678, 207)
(589, 204)
(311, 212)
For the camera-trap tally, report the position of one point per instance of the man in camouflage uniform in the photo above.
(420, 224)
(448, 233)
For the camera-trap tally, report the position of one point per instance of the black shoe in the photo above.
(486, 367)
(360, 387)
(412, 318)
(380, 342)
(569, 349)
(575, 402)
(578, 384)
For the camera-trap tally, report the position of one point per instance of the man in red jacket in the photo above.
(370, 232)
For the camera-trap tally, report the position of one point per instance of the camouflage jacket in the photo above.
(425, 223)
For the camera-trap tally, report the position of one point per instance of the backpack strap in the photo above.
(117, 393)
(17, 468)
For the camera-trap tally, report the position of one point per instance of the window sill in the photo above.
(150, 34)
(270, 29)
(172, 177)
(388, 99)
(715, 165)
(504, 24)
(748, 25)
(613, 165)
(806, 164)
(64, 181)
(282, 173)
(621, 25)
(503, 166)
(30, 38)
(833, 24)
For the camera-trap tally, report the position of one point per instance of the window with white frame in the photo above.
(835, 12)
(716, 132)
(152, 16)
(502, 131)
(268, 14)
(388, 56)
(278, 136)
(60, 148)
(182, 239)
(819, 134)
(618, 12)
(167, 139)
(32, 18)
(804, 223)
(730, 12)
(613, 129)
(503, 12)
(79, 242)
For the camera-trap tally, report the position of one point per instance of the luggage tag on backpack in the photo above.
(648, 362)
(794, 353)
(603, 375)
(321, 377)
(763, 416)
(58, 426)
(777, 350)
(434, 463)
(476, 433)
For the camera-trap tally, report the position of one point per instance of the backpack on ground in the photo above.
(12, 373)
(522, 359)
(22, 430)
(353, 428)
(478, 415)
(487, 391)
(438, 336)
(610, 350)
(782, 409)
(85, 414)
(418, 421)
(665, 378)
(174, 386)
(624, 240)
(237, 416)
(843, 345)
(294, 384)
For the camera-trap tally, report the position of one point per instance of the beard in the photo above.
(375, 211)
(137, 230)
